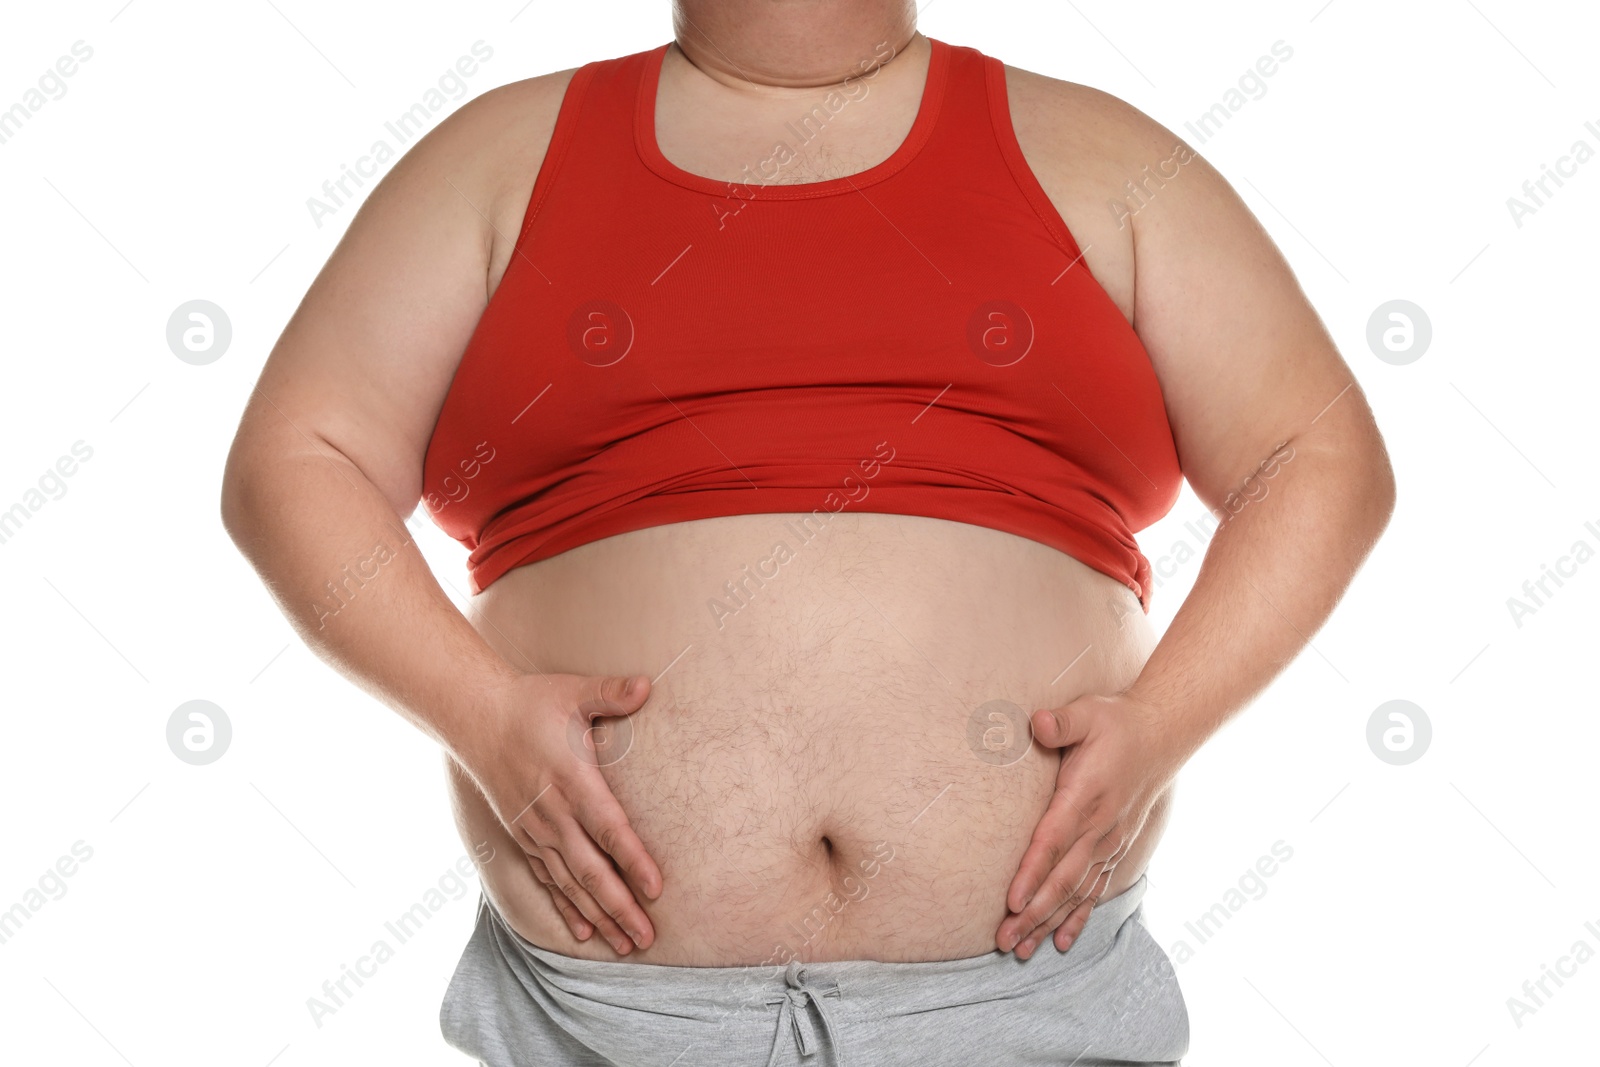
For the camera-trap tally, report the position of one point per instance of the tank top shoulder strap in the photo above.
(591, 141)
(975, 140)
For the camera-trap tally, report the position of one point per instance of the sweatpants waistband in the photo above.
(898, 987)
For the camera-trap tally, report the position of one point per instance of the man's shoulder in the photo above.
(1074, 121)
(492, 147)
(512, 123)
(1085, 146)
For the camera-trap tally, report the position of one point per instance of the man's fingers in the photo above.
(1066, 879)
(581, 928)
(1121, 851)
(571, 886)
(582, 871)
(1025, 948)
(1069, 930)
(1071, 882)
(1061, 825)
(608, 825)
(604, 883)
(1067, 921)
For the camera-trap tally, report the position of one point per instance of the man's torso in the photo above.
(832, 763)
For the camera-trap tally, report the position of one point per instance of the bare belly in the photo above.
(834, 763)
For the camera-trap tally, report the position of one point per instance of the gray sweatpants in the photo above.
(1111, 998)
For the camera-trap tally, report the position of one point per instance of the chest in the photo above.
(831, 136)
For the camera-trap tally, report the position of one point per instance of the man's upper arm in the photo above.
(1244, 361)
(366, 360)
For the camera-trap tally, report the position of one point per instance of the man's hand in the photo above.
(533, 757)
(1117, 764)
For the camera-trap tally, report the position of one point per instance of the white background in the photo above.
(219, 898)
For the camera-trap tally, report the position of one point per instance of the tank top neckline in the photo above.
(644, 131)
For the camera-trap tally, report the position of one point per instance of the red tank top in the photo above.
(920, 338)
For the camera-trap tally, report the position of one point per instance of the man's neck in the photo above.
(795, 44)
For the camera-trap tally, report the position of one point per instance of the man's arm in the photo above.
(1272, 431)
(329, 459)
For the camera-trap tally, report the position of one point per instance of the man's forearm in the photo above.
(344, 570)
(1270, 578)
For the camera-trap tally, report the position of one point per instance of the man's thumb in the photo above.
(632, 689)
(615, 695)
(1059, 727)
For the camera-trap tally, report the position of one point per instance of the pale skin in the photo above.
(329, 454)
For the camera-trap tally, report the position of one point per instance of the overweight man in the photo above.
(798, 387)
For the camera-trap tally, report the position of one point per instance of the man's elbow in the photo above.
(1357, 487)
(239, 498)
(1375, 490)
